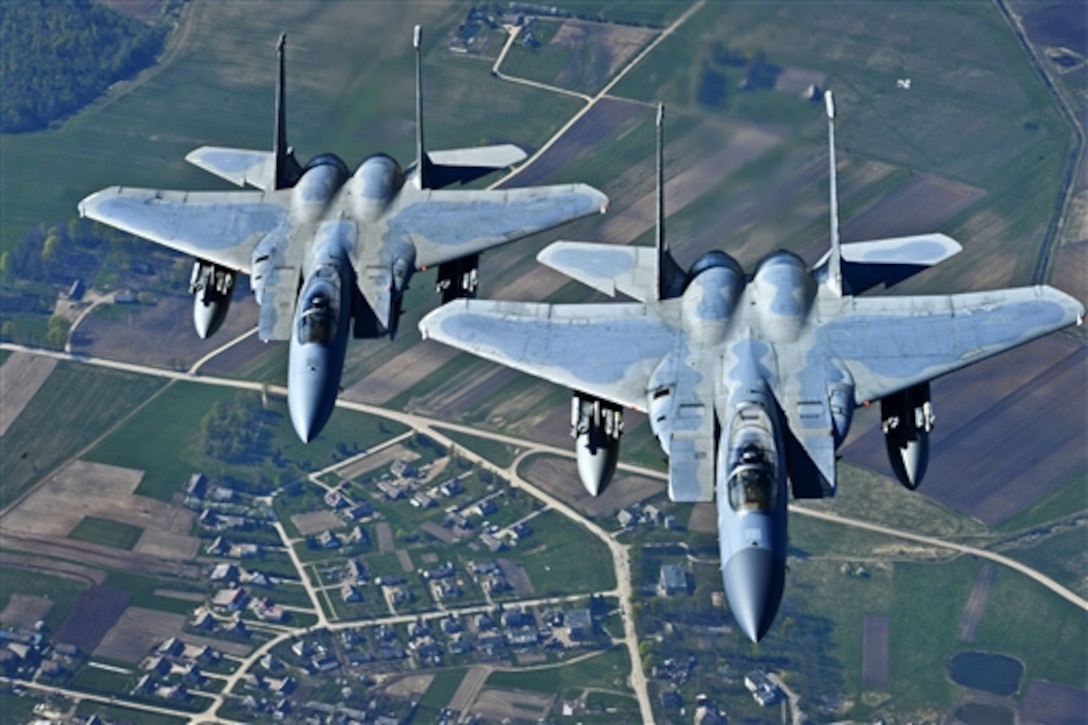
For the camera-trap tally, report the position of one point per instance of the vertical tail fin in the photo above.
(287, 169)
(669, 274)
(423, 162)
(834, 260)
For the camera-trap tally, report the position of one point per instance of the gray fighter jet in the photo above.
(323, 245)
(751, 380)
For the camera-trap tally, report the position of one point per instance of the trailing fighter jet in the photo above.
(750, 381)
(323, 245)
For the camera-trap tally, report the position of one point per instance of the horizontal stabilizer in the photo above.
(238, 166)
(890, 261)
(461, 166)
(498, 156)
(607, 268)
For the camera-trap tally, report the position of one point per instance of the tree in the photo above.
(57, 332)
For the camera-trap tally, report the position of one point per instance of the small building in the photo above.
(391, 491)
(219, 547)
(493, 543)
(349, 593)
(197, 486)
(171, 647)
(579, 622)
(626, 518)
(763, 690)
(328, 540)
(422, 501)
(223, 572)
(359, 511)
(672, 580)
(354, 571)
(230, 599)
(451, 487)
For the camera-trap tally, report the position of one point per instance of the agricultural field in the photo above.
(75, 406)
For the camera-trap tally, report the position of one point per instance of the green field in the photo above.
(106, 532)
(563, 558)
(163, 440)
(608, 669)
(497, 453)
(77, 404)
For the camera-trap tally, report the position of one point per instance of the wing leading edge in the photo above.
(218, 226)
(448, 225)
(608, 351)
(891, 343)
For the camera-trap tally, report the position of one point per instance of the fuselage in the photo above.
(323, 310)
(319, 339)
(737, 332)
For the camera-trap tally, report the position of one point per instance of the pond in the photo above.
(994, 673)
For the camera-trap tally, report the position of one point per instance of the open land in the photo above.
(975, 607)
(96, 612)
(1028, 403)
(875, 631)
(55, 507)
(495, 704)
(169, 322)
(20, 377)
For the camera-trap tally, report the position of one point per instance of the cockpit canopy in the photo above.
(751, 461)
(752, 482)
(320, 308)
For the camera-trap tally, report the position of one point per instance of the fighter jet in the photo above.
(751, 381)
(324, 246)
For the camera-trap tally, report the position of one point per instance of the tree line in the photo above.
(56, 56)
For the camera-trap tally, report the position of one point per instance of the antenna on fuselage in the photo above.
(669, 274)
(423, 163)
(286, 171)
(834, 260)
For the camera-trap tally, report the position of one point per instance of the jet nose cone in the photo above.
(311, 396)
(754, 580)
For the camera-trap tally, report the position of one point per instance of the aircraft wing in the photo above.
(447, 225)
(891, 343)
(218, 226)
(607, 268)
(608, 351)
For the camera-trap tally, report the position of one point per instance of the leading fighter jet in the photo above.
(323, 245)
(750, 381)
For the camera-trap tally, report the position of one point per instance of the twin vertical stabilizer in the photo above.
(670, 277)
(287, 170)
(834, 261)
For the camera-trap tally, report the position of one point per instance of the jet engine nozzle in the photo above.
(596, 426)
(907, 419)
(212, 287)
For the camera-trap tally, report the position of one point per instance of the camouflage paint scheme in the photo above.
(750, 381)
(324, 245)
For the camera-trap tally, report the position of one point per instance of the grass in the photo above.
(563, 558)
(102, 682)
(106, 532)
(442, 688)
(1070, 498)
(163, 440)
(500, 454)
(63, 592)
(19, 709)
(142, 589)
(76, 404)
(609, 669)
